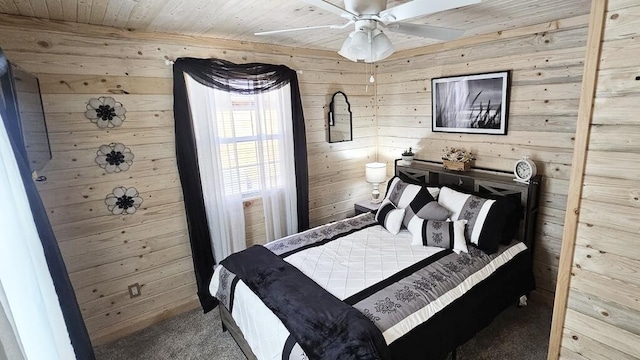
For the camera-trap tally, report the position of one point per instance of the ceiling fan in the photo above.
(367, 42)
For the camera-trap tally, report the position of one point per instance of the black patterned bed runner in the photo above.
(320, 235)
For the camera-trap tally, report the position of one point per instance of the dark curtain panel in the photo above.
(245, 79)
(67, 297)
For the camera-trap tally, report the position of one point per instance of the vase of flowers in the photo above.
(407, 157)
(457, 159)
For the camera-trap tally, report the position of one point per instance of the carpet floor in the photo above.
(517, 333)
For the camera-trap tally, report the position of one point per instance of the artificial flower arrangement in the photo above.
(457, 159)
(457, 154)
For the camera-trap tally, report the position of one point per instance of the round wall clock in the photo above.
(524, 169)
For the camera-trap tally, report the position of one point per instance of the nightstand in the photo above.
(365, 206)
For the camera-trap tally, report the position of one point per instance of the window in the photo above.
(250, 139)
(245, 149)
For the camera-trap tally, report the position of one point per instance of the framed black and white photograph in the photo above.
(477, 104)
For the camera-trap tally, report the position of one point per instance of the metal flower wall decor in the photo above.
(105, 112)
(123, 201)
(114, 157)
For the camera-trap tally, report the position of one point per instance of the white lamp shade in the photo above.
(376, 172)
(345, 50)
(360, 46)
(382, 47)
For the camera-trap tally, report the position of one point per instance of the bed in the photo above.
(360, 288)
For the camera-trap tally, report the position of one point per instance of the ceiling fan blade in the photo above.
(331, 8)
(428, 31)
(417, 8)
(304, 28)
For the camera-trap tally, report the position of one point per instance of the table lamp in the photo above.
(375, 174)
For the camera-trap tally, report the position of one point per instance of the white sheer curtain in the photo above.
(225, 212)
(240, 162)
(278, 183)
(32, 325)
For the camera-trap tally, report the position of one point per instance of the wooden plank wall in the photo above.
(106, 253)
(603, 311)
(546, 62)
(254, 222)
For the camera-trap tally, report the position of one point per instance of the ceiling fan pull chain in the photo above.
(371, 79)
(366, 86)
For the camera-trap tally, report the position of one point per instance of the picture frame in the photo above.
(472, 104)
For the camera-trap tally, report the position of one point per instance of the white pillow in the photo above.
(390, 217)
(444, 234)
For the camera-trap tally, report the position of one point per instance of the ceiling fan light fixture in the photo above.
(382, 47)
(357, 46)
(360, 44)
(345, 50)
(366, 45)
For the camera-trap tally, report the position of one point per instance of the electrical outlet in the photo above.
(134, 290)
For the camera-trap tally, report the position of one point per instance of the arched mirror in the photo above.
(339, 128)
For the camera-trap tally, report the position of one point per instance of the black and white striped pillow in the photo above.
(444, 234)
(390, 217)
(416, 200)
(486, 218)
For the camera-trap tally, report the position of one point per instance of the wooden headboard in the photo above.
(481, 181)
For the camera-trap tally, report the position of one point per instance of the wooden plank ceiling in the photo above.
(240, 19)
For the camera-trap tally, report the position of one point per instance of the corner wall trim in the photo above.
(583, 127)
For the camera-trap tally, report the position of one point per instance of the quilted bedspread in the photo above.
(396, 286)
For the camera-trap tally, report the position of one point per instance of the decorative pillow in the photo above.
(444, 234)
(390, 217)
(512, 210)
(416, 200)
(488, 220)
(402, 182)
(514, 215)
